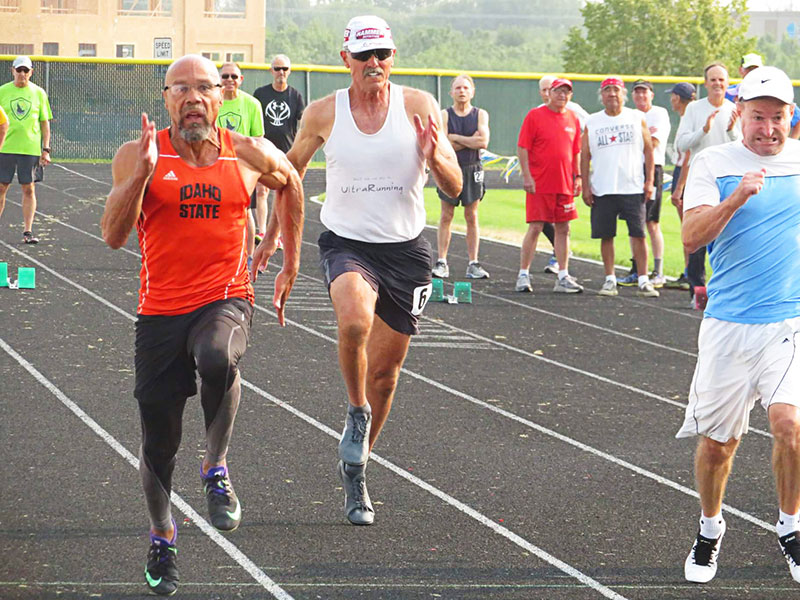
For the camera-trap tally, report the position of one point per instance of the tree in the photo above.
(657, 37)
(783, 53)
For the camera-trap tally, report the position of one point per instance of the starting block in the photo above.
(3, 274)
(437, 291)
(462, 290)
(26, 278)
(700, 297)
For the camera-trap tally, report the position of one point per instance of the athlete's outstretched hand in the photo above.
(283, 287)
(261, 256)
(148, 151)
(427, 136)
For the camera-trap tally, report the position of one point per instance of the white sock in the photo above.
(562, 273)
(523, 272)
(611, 278)
(643, 279)
(711, 527)
(786, 524)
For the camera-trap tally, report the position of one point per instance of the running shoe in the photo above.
(354, 444)
(258, 237)
(790, 546)
(224, 508)
(441, 270)
(681, 283)
(630, 280)
(657, 280)
(568, 285)
(476, 271)
(279, 243)
(552, 265)
(29, 238)
(523, 283)
(161, 570)
(357, 506)
(647, 290)
(701, 564)
(609, 288)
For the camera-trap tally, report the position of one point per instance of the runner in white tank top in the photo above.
(375, 261)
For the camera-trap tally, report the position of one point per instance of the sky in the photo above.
(774, 5)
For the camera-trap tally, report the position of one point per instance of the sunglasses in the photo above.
(23, 70)
(380, 54)
(280, 68)
(233, 76)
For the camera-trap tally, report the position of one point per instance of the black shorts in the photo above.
(653, 207)
(253, 197)
(399, 272)
(676, 175)
(606, 209)
(165, 367)
(472, 189)
(23, 164)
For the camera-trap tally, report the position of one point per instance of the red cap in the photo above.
(612, 81)
(559, 82)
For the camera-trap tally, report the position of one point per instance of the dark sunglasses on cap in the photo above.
(23, 70)
(229, 76)
(280, 68)
(380, 54)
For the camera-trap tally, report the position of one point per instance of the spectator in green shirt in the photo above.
(27, 142)
(240, 112)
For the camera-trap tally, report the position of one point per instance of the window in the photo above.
(124, 50)
(234, 57)
(69, 6)
(9, 5)
(50, 48)
(211, 56)
(87, 49)
(226, 9)
(144, 8)
(16, 48)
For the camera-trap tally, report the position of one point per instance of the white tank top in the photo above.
(617, 149)
(374, 181)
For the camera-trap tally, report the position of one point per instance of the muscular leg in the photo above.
(656, 239)
(528, 248)
(639, 246)
(712, 465)
(3, 190)
(473, 230)
(784, 420)
(443, 234)
(28, 205)
(386, 351)
(251, 233)
(561, 246)
(607, 252)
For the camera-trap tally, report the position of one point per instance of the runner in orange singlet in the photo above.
(187, 189)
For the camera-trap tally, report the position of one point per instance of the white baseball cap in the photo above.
(22, 61)
(767, 82)
(367, 32)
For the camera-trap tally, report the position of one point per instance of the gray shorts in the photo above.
(472, 189)
(606, 209)
(23, 164)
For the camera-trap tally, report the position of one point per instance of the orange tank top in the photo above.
(193, 233)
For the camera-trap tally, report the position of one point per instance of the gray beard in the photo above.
(195, 133)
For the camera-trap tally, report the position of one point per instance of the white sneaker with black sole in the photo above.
(701, 564)
(790, 546)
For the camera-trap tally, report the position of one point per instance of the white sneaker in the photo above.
(568, 285)
(609, 288)
(701, 564)
(647, 290)
(790, 546)
(441, 270)
(523, 283)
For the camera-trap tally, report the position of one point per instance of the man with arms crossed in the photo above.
(742, 200)
(376, 264)
(549, 148)
(187, 189)
(467, 130)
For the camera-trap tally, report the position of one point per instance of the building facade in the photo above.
(222, 30)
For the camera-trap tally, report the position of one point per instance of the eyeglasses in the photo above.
(380, 54)
(280, 68)
(23, 70)
(562, 89)
(233, 76)
(181, 89)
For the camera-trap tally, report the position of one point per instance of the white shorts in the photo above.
(738, 364)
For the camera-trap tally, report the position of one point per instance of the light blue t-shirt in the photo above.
(756, 257)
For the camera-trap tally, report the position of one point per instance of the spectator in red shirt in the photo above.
(548, 148)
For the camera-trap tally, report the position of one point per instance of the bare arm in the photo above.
(315, 127)
(586, 157)
(131, 169)
(478, 140)
(45, 158)
(3, 131)
(436, 149)
(677, 195)
(649, 162)
(527, 179)
(702, 224)
(450, 136)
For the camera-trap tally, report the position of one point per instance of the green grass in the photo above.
(502, 216)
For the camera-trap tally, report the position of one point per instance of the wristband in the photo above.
(46, 150)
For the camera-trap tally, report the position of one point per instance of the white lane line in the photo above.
(60, 166)
(230, 549)
(234, 552)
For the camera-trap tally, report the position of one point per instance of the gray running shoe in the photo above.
(609, 289)
(523, 283)
(224, 509)
(568, 285)
(552, 265)
(476, 271)
(354, 445)
(357, 506)
(647, 290)
(441, 270)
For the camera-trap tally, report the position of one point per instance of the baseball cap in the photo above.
(612, 81)
(22, 61)
(643, 83)
(367, 32)
(752, 60)
(683, 89)
(767, 82)
(561, 81)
